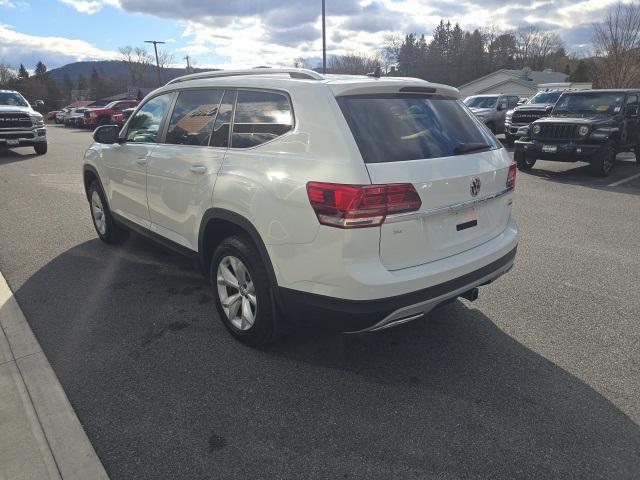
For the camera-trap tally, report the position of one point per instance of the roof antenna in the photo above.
(376, 73)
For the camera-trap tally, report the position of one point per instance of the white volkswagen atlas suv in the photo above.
(349, 202)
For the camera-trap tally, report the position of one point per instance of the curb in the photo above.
(47, 439)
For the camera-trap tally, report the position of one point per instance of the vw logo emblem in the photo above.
(475, 187)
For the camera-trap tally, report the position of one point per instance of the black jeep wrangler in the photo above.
(589, 125)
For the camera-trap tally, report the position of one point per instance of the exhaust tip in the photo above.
(471, 295)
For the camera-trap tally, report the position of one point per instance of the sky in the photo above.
(248, 33)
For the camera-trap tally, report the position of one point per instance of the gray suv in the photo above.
(491, 109)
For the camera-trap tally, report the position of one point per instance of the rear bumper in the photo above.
(371, 315)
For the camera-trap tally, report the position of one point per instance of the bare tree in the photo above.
(616, 41)
(390, 51)
(165, 59)
(534, 46)
(300, 62)
(353, 63)
(7, 74)
(138, 62)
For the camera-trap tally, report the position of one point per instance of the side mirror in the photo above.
(548, 108)
(107, 134)
(38, 104)
(632, 111)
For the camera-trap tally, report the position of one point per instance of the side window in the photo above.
(220, 134)
(260, 117)
(632, 101)
(502, 103)
(145, 124)
(193, 117)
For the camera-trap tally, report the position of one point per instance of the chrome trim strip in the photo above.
(412, 312)
(401, 217)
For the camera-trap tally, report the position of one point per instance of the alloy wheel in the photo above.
(237, 292)
(97, 210)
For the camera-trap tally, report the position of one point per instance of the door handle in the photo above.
(198, 169)
(141, 161)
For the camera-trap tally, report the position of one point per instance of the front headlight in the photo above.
(536, 129)
(583, 130)
(36, 119)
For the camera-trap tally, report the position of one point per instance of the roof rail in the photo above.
(302, 73)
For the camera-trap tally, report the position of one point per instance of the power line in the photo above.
(155, 47)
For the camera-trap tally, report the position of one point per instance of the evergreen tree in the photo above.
(582, 72)
(41, 71)
(22, 73)
(82, 82)
(67, 86)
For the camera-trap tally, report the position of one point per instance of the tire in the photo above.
(106, 228)
(40, 148)
(237, 271)
(602, 162)
(523, 161)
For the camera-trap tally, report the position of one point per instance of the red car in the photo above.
(123, 116)
(102, 115)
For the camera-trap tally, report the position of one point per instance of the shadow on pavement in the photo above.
(580, 174)
(12, 156)
(164, 392)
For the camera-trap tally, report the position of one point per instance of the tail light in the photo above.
(359, 206)
(511, 177)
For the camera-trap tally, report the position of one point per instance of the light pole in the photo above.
(324, 39)
(155, 47)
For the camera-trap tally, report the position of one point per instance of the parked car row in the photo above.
(565, 124)
(95, 115)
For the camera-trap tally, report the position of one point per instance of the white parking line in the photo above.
(624, 180)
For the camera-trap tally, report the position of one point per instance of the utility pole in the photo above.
(324, 39)
(188, 66)
(155, 47)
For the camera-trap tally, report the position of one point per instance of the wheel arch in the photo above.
(218, 224)
(89, 174)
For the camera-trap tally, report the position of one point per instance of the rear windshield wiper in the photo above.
(470, 147)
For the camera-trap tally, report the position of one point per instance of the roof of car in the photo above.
(287, 79)
(605, 90)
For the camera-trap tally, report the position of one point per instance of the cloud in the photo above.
(16, 48)
(89, 6)
(243, 33)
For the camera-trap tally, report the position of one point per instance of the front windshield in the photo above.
(545, 97)
(590, 102)
(481, 102)
(12, 99)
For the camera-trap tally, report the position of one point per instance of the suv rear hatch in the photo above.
(460, 171)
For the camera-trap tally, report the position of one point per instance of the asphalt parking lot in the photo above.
(539, 378)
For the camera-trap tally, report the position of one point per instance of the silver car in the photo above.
(492, 108)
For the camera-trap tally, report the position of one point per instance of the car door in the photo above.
(182, 170)
(632, 120)
(126, 162)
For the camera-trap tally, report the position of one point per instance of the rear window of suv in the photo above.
(393, 128)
